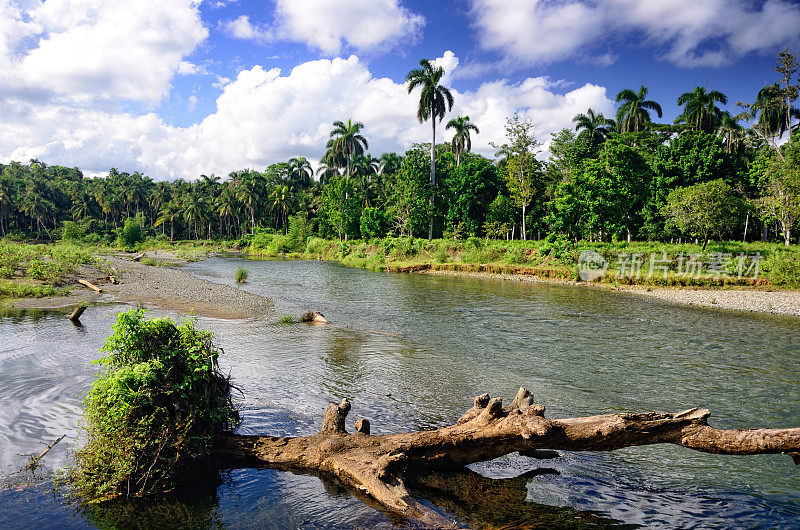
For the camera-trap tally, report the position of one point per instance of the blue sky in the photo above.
(176, 88)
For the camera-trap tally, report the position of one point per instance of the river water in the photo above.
(410, 352)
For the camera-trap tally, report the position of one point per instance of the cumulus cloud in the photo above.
(89, 49)
(331, 26)
(242, 28)
(266, 115)
(692, 33)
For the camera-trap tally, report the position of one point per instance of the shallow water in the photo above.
(432, 343)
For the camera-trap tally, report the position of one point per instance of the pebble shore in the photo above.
(172, 288)
(753, 300)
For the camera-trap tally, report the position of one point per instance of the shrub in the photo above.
(299, 232)
(373, 223)
(783, 268)
(153, 412)
(71, 231)
(241, 275)
(131, 233)
(442, 256)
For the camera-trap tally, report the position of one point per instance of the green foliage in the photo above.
(299, 232)
(340, 209)
(286, 319)
(131, 233)
(373, 223)
(153, 411)
(703, 210)
(72, 232)
(783, 269)
(241, 275)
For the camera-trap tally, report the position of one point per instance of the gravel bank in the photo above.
(777, 302)
(178, 290)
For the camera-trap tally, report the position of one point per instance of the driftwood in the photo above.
(90, 285)
(378, 465)
(34, 463)
(75, 316)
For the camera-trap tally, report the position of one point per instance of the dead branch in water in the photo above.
(377, 465)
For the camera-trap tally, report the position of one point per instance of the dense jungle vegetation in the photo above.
(710, 175)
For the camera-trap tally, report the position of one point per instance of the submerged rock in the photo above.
(313, 316)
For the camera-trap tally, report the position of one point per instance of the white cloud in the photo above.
(189, 68)
(242, 28)
(264, 116)
(88, 49)
(691, 32)
(331, 25)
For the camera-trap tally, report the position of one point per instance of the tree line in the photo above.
(709, 174)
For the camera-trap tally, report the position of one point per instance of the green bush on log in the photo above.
(154, 410)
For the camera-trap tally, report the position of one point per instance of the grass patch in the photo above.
(241, 275)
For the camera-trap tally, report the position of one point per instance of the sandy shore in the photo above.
(157, 286)
(761, 301)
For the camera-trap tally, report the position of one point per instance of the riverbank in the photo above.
(153, 281)
(756, 277)
(779, 302)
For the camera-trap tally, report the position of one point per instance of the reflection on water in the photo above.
(580, 351)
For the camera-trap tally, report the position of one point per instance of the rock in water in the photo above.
(313, 316)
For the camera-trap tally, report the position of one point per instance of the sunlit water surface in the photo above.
(410, 352)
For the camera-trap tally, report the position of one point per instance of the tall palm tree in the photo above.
(594, 128)
(348, 141)
(634, 113)
(461, 139)
(435, 101)
(700, 110)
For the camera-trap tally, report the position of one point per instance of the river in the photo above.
(410, 352)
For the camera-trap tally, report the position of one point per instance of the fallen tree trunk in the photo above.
(90, 285)
(377, 465)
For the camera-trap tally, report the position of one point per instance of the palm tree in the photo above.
(82, 206)
(732, 133)
(280, 197)
(194, 210)
(169, 212)
(5, 200)
(227, 206)
(461, 139)
(633, 115)
(390, 163)
(37, 207)
(347, 140)
(300, 170)
(434, 101)
(596, 127)
(700, 110)
(773, 115)
(247, 191)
